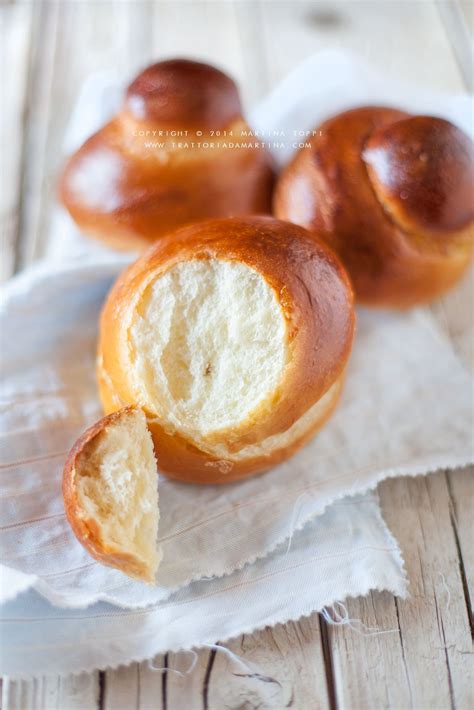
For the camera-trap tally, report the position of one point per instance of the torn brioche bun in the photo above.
(177, 151)
(110, 494)
(233, 336)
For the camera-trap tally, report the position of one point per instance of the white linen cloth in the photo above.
(345, 552)
(406, 410)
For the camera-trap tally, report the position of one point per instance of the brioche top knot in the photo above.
(183, 94)
(422, 170)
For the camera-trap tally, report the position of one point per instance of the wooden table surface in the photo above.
(48, 48)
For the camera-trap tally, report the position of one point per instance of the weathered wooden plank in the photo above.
(190, 690)
(429, 652)
(35, 165)
(72, 41)
(203, 30)
(454, 311)
(406, 40)
(152, 684)
(256, 79)
(453, 314)
(274, 668)
(418, 512)
(121, 688)
(461, 490)
(173, 680)
(140, 21)
(457, 19)
(279, 667)
(79, 692)
(16, 23)
(361, 658)
(467, 10)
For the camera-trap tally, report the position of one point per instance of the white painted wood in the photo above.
(363, 652)
(79, 692)
(272, 668)
(461, 488)
(467, 11)
(407, 40)
(458, 22)
(429, 652)
(72, 40)
(453, 314)
(121, 688)
(433, 622)
(205, 31)
(15, 33)
(150, 683)
(256, 78)
(286, 669)
(190, 690)
(33, 187)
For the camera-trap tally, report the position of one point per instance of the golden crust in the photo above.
(316, 299)
(86, 529)
(183, 94)
(129, 184)
(422, 170)
(367, 187)
(181, 460)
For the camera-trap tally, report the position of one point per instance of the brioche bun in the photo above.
(178, 151)
(392, 194)
(233, 337)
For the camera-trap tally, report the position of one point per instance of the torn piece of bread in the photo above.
(110, 489)
(233, 336)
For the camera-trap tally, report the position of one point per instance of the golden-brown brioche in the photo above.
(233, 336)
(178, 151)
(393, 195)
(179, 94)
(110, 493)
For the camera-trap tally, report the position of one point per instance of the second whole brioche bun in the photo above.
(392, 194)
(179, 150)
(233, 336)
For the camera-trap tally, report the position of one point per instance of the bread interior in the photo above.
(208, 345)
(308, 422)
(116, 481)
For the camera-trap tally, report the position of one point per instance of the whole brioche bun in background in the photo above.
(125, 189)
(233, 336)
(393, 195)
